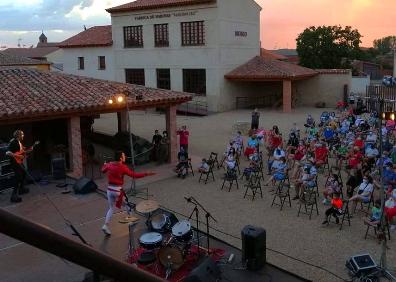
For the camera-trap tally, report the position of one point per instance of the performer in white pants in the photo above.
(115, 194)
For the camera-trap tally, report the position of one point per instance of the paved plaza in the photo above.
(298, 237)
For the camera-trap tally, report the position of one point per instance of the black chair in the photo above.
(367, 204)
(190, 167)
(230, 177)
(254, 185)
(345, 214)
(282, 193)
(309, 201)
(377, 227)
(206, 175)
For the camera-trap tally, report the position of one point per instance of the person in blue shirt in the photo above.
(328, 133)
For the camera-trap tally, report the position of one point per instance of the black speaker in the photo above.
(361, 264)
(206, 271)
(253, 247)
(84, 185)
(58, 168)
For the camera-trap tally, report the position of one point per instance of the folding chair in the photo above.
(282, 192)
(368, 204)
(211, 164)
(230, 177)
(377, 227)
(345, 214)
(254, 185)
(310, 202)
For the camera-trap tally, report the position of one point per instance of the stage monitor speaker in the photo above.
(84, 185)
(58, 168)
(206, 271)
(361, 264)
(253, 247)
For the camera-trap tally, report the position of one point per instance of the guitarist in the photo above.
(15, 153)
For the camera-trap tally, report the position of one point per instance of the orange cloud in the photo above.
(283, 20)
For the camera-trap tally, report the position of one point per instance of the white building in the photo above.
(181, 45)
(207, 47)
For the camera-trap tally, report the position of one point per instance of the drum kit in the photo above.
(168, 241)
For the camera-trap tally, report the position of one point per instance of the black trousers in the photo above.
(332, 211)
(20, 175)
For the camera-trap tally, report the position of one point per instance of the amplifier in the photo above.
(6, 175)
(361, 264)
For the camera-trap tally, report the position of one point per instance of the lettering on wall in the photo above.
(168, 15)
(241, 33)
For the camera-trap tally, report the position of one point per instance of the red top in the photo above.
(359, 143)
(116, 171)
(321, 154)
(183, 136)
(337, 203)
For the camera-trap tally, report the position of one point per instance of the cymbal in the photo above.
(147, 206)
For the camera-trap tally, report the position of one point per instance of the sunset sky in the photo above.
(281, 20)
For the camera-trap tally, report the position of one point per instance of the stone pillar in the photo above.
(122, 121)
(75, 150)
(287, 96)
(171, 128)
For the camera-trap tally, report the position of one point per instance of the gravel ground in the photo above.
(294, 236)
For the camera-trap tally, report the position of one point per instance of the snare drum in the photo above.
(160, 223)
(182, 231)
(151, 240)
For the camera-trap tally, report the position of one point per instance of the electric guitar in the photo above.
(22, 154)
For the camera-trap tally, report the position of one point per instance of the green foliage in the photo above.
(385, 45)
(327, 47)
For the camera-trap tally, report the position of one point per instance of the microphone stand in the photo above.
(207, 216)
(196, 211)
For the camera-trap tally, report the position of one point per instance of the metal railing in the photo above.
(375, 93)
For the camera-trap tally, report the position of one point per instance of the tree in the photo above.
(385, 45)
(326, 47)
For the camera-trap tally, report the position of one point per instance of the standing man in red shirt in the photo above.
(183, 133)
(115, 194)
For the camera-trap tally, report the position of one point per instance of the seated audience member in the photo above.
(335, 210)
(252, 145)
(238, 141)
(321, 154)
(364, 192)
(295, 130)
(203, 167)
(389, 178)
(390, 210)
(342, 153)
(375, 214)
(359, 143)
(371, 137)
(279, 171)
(332, 186)
(355, 158)
(278, 154)
(292, 143)
(300, 151)
(182, 166)
(307, 181)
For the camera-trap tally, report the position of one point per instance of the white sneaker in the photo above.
(106, 230)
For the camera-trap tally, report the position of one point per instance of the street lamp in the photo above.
(122, 98)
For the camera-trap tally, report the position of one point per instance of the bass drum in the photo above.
(182, 231)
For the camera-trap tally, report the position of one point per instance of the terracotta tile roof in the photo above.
(34, 53)
(95, 36)
(333, 71)
(264, 69)
(155, 4)
(13, 60)
(271, 55)
(29, 93)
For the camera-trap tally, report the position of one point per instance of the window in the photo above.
(194, 81)
(135, 76)
(161, 35)
(163, 79)
(102, 62)
(80, 63)
(193, 33)
(133, 36)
